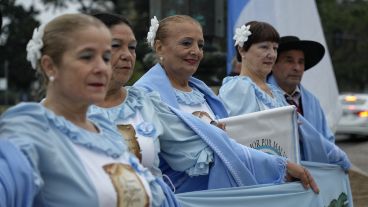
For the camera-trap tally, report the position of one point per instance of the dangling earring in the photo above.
(51, 78)
(161, 59)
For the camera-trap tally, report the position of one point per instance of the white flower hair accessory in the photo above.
(241, 35)
(35, 45)
(152, 31)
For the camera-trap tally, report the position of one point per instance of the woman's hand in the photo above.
(204, 116)
(297, 172)
(219, 125)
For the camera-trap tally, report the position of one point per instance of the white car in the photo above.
(354, 120)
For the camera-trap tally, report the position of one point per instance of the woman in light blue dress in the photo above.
(256, 44)
(69, 159)
(128, 107)
(199, 155)
(249, 92)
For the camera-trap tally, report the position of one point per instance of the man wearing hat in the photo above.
(294, 57)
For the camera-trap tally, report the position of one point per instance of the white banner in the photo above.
(273, 131)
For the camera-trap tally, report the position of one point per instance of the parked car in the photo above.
(354, 120)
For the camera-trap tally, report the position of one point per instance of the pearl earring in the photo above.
(51, 78)
(161, 58)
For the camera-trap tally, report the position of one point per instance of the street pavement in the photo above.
(356, 148)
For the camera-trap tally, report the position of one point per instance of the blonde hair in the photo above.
(57, 36)
(163, 29)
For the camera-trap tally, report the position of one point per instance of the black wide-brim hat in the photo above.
(313, 51)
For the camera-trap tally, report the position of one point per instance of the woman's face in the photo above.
(182, 50)
(260, 57)
(123, 54)
(84, 71)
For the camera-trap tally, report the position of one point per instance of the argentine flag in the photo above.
(291, 17)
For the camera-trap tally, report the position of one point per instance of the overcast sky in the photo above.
(46, 15)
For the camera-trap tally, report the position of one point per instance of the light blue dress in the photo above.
(219, 161)
(137, 108)
(241, 95)
(50, 143)
(165, 126)
(16, 181)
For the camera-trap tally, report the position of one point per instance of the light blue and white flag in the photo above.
(331, 179)
(273, 131)
(291, 17)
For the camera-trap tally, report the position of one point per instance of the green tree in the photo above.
(345, 24)
(16, 32)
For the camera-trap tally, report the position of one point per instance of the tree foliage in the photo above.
(345, 25)
(15, 34)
